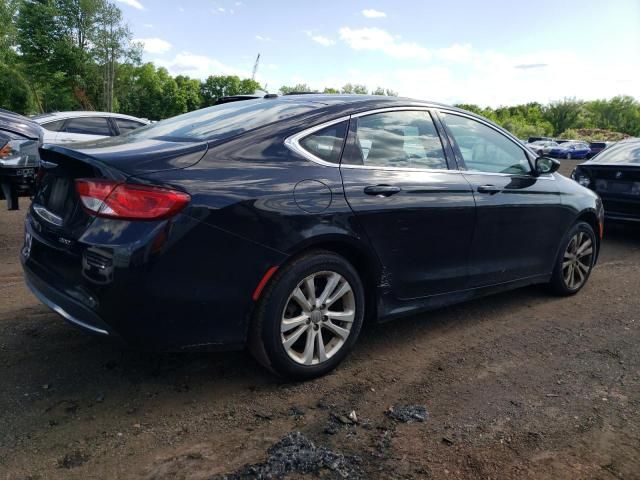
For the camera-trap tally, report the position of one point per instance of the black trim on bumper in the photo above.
(69, 309)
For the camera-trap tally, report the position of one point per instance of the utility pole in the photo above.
(255, 67)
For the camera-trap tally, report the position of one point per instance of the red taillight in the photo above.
(106, 198)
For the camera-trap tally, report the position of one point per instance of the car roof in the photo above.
(53, 116)
(16, 123)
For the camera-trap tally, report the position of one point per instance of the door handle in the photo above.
(381, 190)
(490, 189)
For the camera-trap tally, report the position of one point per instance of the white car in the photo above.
(69, 127)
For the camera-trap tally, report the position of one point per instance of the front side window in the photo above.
(88, 126)
(326, 144)
(484, 149)
(403, 139)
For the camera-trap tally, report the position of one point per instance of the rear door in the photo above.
(418, 213)
(520, 216)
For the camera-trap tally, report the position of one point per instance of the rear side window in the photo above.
(88, 126)
(403, 139)
(326, 144)
(125, 125)
(484, 149)
(53, 126)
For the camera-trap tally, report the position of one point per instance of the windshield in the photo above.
(222, 121)
(624, 152)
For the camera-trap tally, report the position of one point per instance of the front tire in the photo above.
(575, 260)
(309, 317)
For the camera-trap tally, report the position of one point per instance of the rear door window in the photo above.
(402, 139)
(53, 126)
(125, 125)
(89, 126)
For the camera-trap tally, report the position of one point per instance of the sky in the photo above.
(490, 53)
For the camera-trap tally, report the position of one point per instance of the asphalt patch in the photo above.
(296, 454)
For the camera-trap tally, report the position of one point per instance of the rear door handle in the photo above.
(490, 189)
(381, 190)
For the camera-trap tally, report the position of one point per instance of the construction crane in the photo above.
(255, 67)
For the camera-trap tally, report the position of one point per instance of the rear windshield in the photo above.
(625, 152)
(222, 121)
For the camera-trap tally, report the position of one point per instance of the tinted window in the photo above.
(623, 152)
(484, 149)
(225, 120)
(326, 144)
(53, 126)
(88, 126)
(127, 125)
(406, 139)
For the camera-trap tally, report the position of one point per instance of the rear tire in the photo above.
(576, 257)
(309, 316)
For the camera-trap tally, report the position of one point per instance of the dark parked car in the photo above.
(281, 222)
(20, 139)
(615, 175)
(569, 150)
(596, 148)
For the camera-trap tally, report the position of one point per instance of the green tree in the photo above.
(300, 87)
(563, 114)
(331, 90)
(189, 92)
(355, 89)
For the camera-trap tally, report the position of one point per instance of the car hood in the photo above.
(20, 125)
(135, 156)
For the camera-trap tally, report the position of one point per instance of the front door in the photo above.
(418, 214)
(520, 217)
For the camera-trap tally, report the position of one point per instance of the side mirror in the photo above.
(546, 165)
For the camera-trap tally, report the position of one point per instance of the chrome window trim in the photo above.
(292, 143)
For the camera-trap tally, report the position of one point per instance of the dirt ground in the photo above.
(519, 385)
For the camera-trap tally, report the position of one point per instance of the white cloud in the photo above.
(371, 13)
(263, 39)
(180, 9)
(456, 53)
(154, 45)
(132, 3)
(491, 78)
(148, 25)
(324, 41)
(376, 39)
(199, 66)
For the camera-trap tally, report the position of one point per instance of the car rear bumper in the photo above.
(72, 311)
(173, 300)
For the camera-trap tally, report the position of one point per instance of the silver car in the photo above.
(70, 127)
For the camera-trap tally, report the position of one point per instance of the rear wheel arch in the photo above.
(363, 260)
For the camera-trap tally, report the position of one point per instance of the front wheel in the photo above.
(575, 260)
(309, 317)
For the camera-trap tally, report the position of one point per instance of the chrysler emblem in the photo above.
(618, 175)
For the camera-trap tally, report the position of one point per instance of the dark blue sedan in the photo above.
(570, 150)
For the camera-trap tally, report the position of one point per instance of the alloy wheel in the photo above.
(577, 260)
(317, 318)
